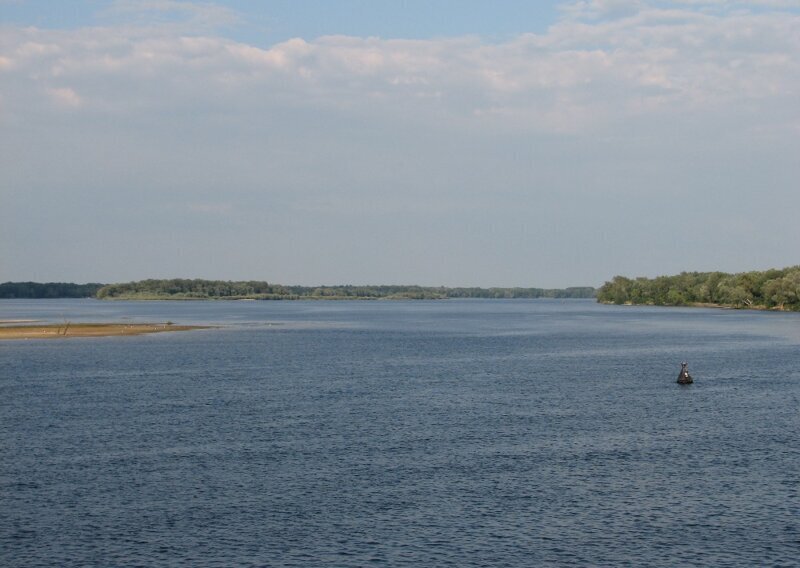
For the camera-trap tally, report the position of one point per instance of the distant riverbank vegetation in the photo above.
(183, 289)
(777, 289)
(27, 290)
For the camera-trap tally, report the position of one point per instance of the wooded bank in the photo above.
(226, 290)
(777, 289)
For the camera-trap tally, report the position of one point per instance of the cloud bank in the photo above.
(631, 137)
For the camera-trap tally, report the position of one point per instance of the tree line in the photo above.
(198, 289)
(777, 289)
(771, 289)
(31, 290)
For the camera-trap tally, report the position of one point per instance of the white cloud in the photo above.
(651, 59)
(65, 97)
(608, 123)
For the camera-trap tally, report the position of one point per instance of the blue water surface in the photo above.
(438, 433)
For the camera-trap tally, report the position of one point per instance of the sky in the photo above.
(456, 143)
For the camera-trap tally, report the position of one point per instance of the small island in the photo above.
(199, 289)
(69, 330)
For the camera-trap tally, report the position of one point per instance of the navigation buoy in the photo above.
(684, 378)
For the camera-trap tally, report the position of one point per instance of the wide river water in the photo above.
(428, 433)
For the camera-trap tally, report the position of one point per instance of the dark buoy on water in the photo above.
(685, 378)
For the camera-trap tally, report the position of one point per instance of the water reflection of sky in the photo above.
(485, 317)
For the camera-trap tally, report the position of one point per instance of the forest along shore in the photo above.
(69, 330)
(775, 289)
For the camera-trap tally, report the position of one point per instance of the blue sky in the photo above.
(440, 143)
(273, 21)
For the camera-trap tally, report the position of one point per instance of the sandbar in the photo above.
(66, 331)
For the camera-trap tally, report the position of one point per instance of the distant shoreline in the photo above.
(284, 299)
(199, 289)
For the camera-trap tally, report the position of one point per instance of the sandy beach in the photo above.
(67, 331)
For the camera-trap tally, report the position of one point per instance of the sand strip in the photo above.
(68, 330)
